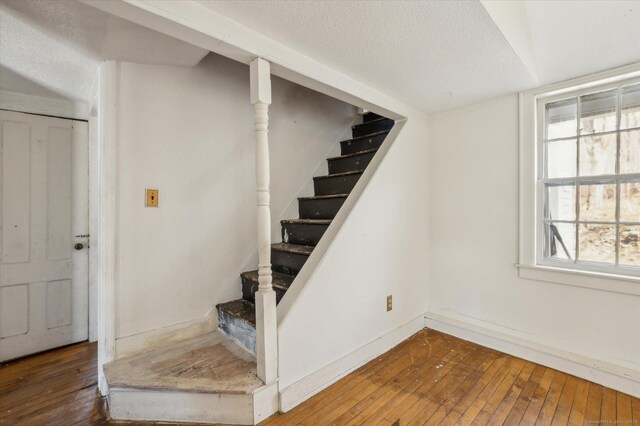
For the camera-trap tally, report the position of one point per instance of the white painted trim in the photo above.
(193, 406)
(94, 214)
(624, 378)
(180, 406)
(32, 104)
(315, 382)
(624, 284)
(584, 82)
(106, 238)
(265, 402)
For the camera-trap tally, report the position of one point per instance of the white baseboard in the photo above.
(619, 377)
(305, 388)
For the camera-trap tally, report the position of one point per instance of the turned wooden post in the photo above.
(266, 320)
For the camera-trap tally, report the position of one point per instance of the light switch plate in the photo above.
(151, 198)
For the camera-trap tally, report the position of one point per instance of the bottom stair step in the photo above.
(205, 379)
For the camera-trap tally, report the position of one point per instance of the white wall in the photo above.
(188, 132)
(474, 248)
(337, 319)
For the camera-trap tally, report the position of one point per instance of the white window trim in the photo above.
(529, 265)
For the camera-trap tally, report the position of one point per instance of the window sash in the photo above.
(542, 218)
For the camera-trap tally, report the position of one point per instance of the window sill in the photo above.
(587, 279)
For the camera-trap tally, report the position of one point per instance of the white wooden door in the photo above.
(43, 215)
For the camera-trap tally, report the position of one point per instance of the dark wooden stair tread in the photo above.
(240, 309)
(357, 172)
(278, 279)
(372, 126)
(355, 154)
(293, 248)
(370, 116)
(370, 135)
(376, 120)
(324, 197)
(307, 221)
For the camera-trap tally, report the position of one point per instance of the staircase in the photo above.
(209, 378)
(299, 236)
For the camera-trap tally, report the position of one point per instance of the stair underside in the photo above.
(211, 363)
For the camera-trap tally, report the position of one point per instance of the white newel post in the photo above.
(266, 320)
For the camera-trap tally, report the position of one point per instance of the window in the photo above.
(588, 179)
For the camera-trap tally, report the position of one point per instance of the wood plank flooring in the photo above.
(429, 379)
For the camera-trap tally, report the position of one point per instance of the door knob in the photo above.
(78, 246)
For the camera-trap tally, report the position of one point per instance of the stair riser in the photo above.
(302, 233)
(249, 289)
(319, 209)
(335, 185)
(371, 127)
(287, 263)
(238, 330)
(181, 407)
(350, 164)
(370, 116)
(358, 145)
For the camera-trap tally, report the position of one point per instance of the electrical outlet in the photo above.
(389, 303)
(151, 198)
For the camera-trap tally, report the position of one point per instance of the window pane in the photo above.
(598, 202)
(598, 155)
(630, 151)
(561, 159)
(630, 245)
(561, 118)
(630, 113)
(597, 243)
(598, 112)
(561, 202)
(630, 201)
(560, 241)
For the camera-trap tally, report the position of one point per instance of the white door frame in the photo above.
(103, 232)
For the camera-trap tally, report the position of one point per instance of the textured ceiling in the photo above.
(434, 55)
(57, 45)
(437, 55)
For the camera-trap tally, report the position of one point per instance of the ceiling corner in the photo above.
(513, 22)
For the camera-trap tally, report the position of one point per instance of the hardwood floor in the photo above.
(58, 387)
(429, 379)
